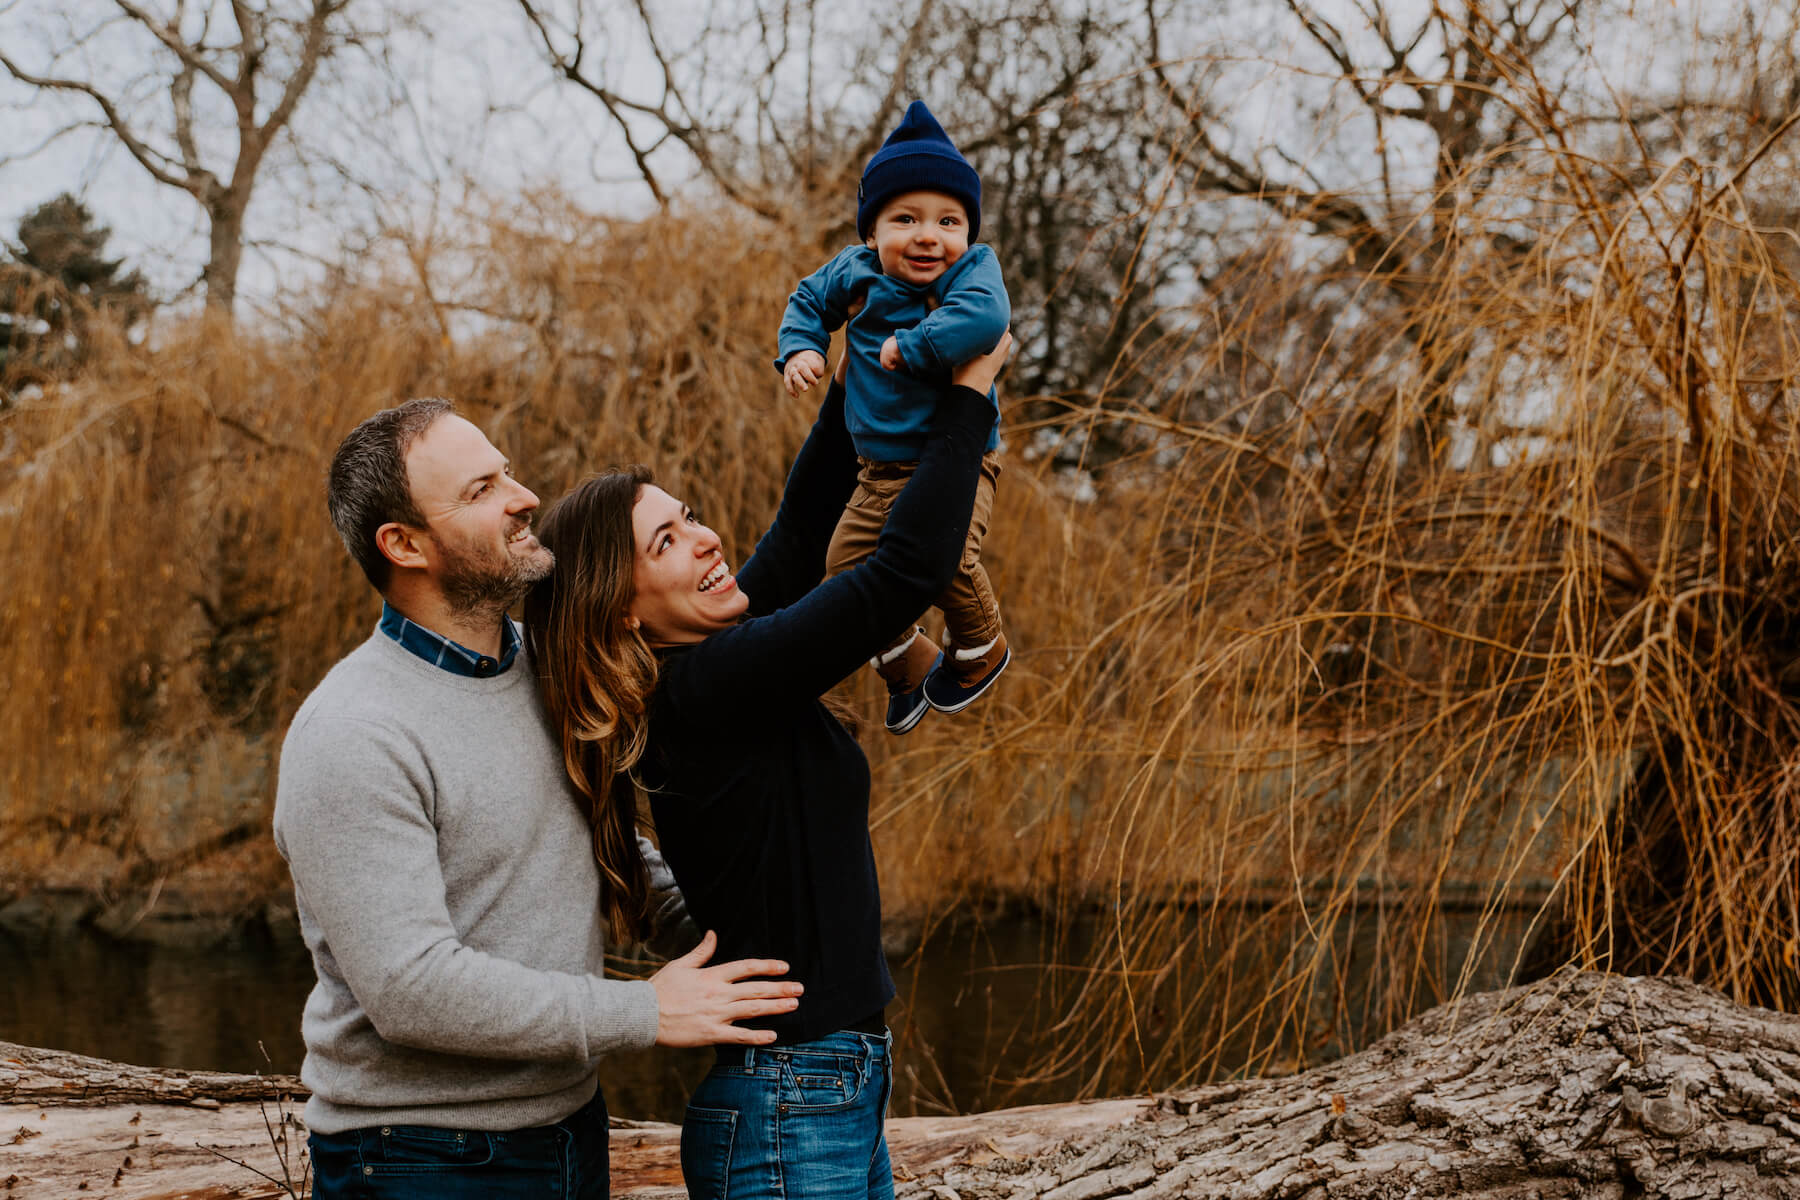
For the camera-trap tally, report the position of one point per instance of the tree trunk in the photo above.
(225, 251)
(1583, 1085)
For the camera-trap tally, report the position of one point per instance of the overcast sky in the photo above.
(474, 104)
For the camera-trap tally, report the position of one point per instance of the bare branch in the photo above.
(251, 45)
(889, 108)
(673, 114)
(181, 98)
(312, 52)
(171, 40)
(147, 157)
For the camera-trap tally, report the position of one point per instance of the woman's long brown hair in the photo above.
(597, 676)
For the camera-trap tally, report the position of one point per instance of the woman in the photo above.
(661, 667)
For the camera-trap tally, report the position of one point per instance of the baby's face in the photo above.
(919, 235)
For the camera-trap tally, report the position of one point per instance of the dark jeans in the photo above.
(798, 1122)
(566, 1161)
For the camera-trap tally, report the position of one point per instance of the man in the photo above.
(443, 868)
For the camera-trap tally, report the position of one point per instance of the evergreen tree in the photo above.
(56, 281)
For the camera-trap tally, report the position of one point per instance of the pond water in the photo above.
(236, 1007)
(971, 1000)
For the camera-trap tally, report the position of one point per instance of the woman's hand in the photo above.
(978, 374)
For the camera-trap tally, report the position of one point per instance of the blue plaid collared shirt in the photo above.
(440, 651)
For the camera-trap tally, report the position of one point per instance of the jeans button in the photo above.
(387, 1130)
(368, 1170)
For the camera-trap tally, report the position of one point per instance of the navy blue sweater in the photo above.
(760, 797)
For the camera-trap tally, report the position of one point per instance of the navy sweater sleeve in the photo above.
(798, 652)
(790, 557)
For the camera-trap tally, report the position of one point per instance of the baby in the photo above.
(919, 298)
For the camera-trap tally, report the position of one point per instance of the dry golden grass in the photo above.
(1355, 681)
(1399, 682)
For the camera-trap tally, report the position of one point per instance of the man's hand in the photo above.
(890, 353)
(697, 1005)
(804, 368)
(978, 374)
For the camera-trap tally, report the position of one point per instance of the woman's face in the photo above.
(684, 591)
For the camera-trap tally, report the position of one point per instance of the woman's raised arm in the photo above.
(804, 648)
(790, 557)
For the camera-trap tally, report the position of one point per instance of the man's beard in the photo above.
(475, 585)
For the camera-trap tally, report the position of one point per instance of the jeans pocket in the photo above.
(406, 1149)
(821, 1081)
(707, 1135)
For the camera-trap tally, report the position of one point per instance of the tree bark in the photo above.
(29, 1075)
(225, 250)
(1582, 1085)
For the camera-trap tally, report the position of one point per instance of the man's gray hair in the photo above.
(368, 487)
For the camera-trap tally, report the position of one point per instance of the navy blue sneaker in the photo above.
(906, 708)
(954, 685)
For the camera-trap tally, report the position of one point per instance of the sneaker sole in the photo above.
(978, 693)
(906, 726)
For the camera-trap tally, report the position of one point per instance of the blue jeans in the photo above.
(799, 1122)
(566, 1160)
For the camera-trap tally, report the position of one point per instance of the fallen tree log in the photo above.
(1583, 1085)
(30, 1075)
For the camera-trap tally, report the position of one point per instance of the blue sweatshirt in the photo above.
(887, 412)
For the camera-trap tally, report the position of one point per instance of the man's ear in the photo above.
(400, 544)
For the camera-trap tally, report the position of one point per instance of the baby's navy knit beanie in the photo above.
(917, 157)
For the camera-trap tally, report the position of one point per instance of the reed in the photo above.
(1449, 637)
(1427, 627)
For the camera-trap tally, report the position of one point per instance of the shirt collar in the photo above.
(440, 651)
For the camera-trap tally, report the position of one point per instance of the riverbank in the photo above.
(969, 1019)
(975, 1020)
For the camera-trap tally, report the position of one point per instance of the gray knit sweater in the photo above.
(447, 889)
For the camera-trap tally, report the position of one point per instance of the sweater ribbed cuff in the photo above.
(621, 1015)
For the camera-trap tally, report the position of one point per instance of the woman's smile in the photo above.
(719, 578)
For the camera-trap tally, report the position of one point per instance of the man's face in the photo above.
(919, 235)
(478, 545)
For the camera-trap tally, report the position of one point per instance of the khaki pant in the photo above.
(971, 614)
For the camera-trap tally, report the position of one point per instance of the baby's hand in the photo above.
(804, 368)
(890, 353)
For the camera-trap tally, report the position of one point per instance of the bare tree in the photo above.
(778, 106)
(1424, 137)
(223, 83)
(1408, 132)
(739, 99)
